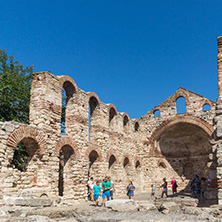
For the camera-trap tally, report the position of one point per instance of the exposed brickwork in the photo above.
(143, 150)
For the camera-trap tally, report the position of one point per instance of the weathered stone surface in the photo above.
(169, 207)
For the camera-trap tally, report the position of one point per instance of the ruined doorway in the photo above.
(64, 167)
(93, 157)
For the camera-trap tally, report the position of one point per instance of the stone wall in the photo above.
(103, 141)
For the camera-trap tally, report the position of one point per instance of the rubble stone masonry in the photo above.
(99, 141)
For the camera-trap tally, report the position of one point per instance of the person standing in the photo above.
(90, 185)
(152, 192)
(174, 186)
(164, 186)
(195, 186)
(112, 190)
(106, 186)
(130, 190)
(96, 192)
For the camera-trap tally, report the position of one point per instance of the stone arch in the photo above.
(97, 150)
(181, 94)
(136, 126)
(94, 102)
(126, 161)
(138, 162)
(156, 108)
(178, 119)
(69, 83)
(162, 163)
(66, 141)
(125, 119)
(112, 112)
(112, 158)
(27, 132)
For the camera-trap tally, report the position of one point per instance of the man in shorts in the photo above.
(112, 190)
(106, 186)
(90, 185)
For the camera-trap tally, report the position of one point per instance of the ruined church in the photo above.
(98, 140)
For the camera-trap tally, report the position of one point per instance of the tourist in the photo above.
(174, 186)
(130, 190)
(164, 186)
(152, 192)
(96, 192)
(195, 186)
(90, 185)
(204, 186)
(106, 186)
(112, 190)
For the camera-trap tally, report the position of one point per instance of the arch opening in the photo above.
(136, 127)
(138, 164)
(206, 107)
(112, 161)
(156, 113)
(125, 120)
(67, 93)
(64, 156)
(93, 157)
(188, 170)
(112, 113)
(24, 153)
(126, 162)
(181, 105)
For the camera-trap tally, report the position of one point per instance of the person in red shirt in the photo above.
(164, 185)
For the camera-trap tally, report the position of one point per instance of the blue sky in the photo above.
(134, 54)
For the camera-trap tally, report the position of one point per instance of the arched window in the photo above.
(126, 162)
(206, 107)
(24, 152)
(112, 113)
(181, 105)
(136, 126)
(67, 92)
(138, 164)
(125, 120)
(112, 160)
(162, 165)
(93, 104)
(64, 155)
(188, 170)
(93, 156)
(156, 113)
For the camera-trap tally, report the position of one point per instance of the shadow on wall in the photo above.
(186, 148)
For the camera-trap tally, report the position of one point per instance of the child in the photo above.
(153, 192)
(96, 192)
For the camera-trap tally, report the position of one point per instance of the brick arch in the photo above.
(125, 115)
(66, 141)
(89, 150)
(127, 156)
(112, 106)
(92, 94)
(27, 132)
(155, 109)
(165, 162)
(63, 79)
(179, 119)
(207, 102)
(138, 159)
(179, 94)
(110, 153)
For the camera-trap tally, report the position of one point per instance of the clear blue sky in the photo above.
(134, 54)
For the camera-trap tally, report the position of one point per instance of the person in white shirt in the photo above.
(90, 185)
(112, 190)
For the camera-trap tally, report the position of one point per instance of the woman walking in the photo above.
(130, 190)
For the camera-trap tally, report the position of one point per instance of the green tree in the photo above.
(15, 85)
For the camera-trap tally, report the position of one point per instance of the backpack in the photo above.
(175, 185)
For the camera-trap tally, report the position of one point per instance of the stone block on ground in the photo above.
(169, 207)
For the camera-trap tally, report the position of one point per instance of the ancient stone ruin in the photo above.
(98, 141)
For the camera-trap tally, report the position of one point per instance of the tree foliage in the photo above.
(15, 85)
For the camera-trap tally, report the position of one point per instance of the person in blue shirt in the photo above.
(153, 192)
(130, 190)
(97, 191)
